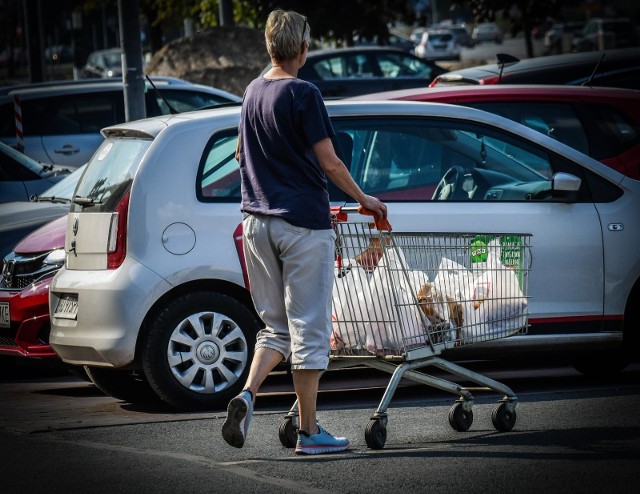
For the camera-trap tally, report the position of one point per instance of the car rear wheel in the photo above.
(198, 348)
(602, 364)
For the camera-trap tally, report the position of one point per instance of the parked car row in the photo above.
(189, 333)
(561, 166)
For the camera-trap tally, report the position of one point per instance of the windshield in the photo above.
(64, 188)
(111, 171)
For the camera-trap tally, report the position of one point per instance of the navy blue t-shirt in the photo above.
(281, 120)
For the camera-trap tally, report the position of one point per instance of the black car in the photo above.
(343, 72)
(609, 68)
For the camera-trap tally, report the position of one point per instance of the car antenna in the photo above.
(172, 110)
(504, 59)
(595, 69)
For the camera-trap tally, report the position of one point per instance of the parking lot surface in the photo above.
(572, 435)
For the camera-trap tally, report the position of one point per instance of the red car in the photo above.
(24, 291)
(603, 123)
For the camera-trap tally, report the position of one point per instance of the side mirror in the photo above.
(565, 186)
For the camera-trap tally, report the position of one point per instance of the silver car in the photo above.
(153, 288)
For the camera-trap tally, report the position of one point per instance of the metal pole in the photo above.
(131, 45)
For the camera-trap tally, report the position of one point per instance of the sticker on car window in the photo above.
(105, 151)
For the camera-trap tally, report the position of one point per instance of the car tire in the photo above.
(198, 348)
(601, 365)
(123, 385)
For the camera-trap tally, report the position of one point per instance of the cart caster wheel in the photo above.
(287, 433)
(503, 420)
(375, 434)
(459, 418)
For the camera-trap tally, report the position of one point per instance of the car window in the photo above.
(620, 133)
(557, 120)
(110, 172)
(400, 65)
(218, 174)
(79, 114)
(184, 101)
(406, 160)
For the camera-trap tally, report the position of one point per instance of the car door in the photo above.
(69, 126)
(497, 183)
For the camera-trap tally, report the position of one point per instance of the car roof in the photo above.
(613, 59)
(27, 91)
(505, 91)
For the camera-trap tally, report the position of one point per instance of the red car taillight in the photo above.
(117, 248)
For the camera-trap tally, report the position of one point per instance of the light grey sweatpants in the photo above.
(291, 276)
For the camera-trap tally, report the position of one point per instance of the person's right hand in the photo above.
(375, 205)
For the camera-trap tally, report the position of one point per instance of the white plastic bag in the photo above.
(351, 300)
(395, 321)
(498, 307)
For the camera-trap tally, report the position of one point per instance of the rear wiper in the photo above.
(84, 201)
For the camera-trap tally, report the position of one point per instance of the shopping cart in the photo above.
(400, 299)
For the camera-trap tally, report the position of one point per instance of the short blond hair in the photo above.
(285, 33)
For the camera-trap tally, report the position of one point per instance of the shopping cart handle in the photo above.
(380, 224)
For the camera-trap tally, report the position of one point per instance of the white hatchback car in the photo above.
(153, 290)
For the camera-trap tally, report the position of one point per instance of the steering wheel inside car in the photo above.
(450, 185)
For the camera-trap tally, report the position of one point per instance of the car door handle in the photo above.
(67, 149)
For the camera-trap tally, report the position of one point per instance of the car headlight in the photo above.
(55, 258)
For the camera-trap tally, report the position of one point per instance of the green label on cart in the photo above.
(512, 253)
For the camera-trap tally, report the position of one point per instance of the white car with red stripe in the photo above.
(153, 292)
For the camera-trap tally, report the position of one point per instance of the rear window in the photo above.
(110, 172)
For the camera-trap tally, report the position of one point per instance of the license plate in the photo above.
(5, 315)
(67, 307)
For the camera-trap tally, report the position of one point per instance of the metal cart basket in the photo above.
(400, 299)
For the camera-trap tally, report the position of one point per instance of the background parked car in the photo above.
(190, 332)
(487, 32)
(601, 122)
(463, 37)
(343, 72)
(394, 40)
(611, 68)
(438, 44)
(22, 177)
(26, 271)
(104, 63)
(61, 122)
(606, 34)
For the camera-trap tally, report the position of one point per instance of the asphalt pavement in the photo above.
(570, 436)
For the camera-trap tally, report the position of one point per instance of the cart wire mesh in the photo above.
(398, 292)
